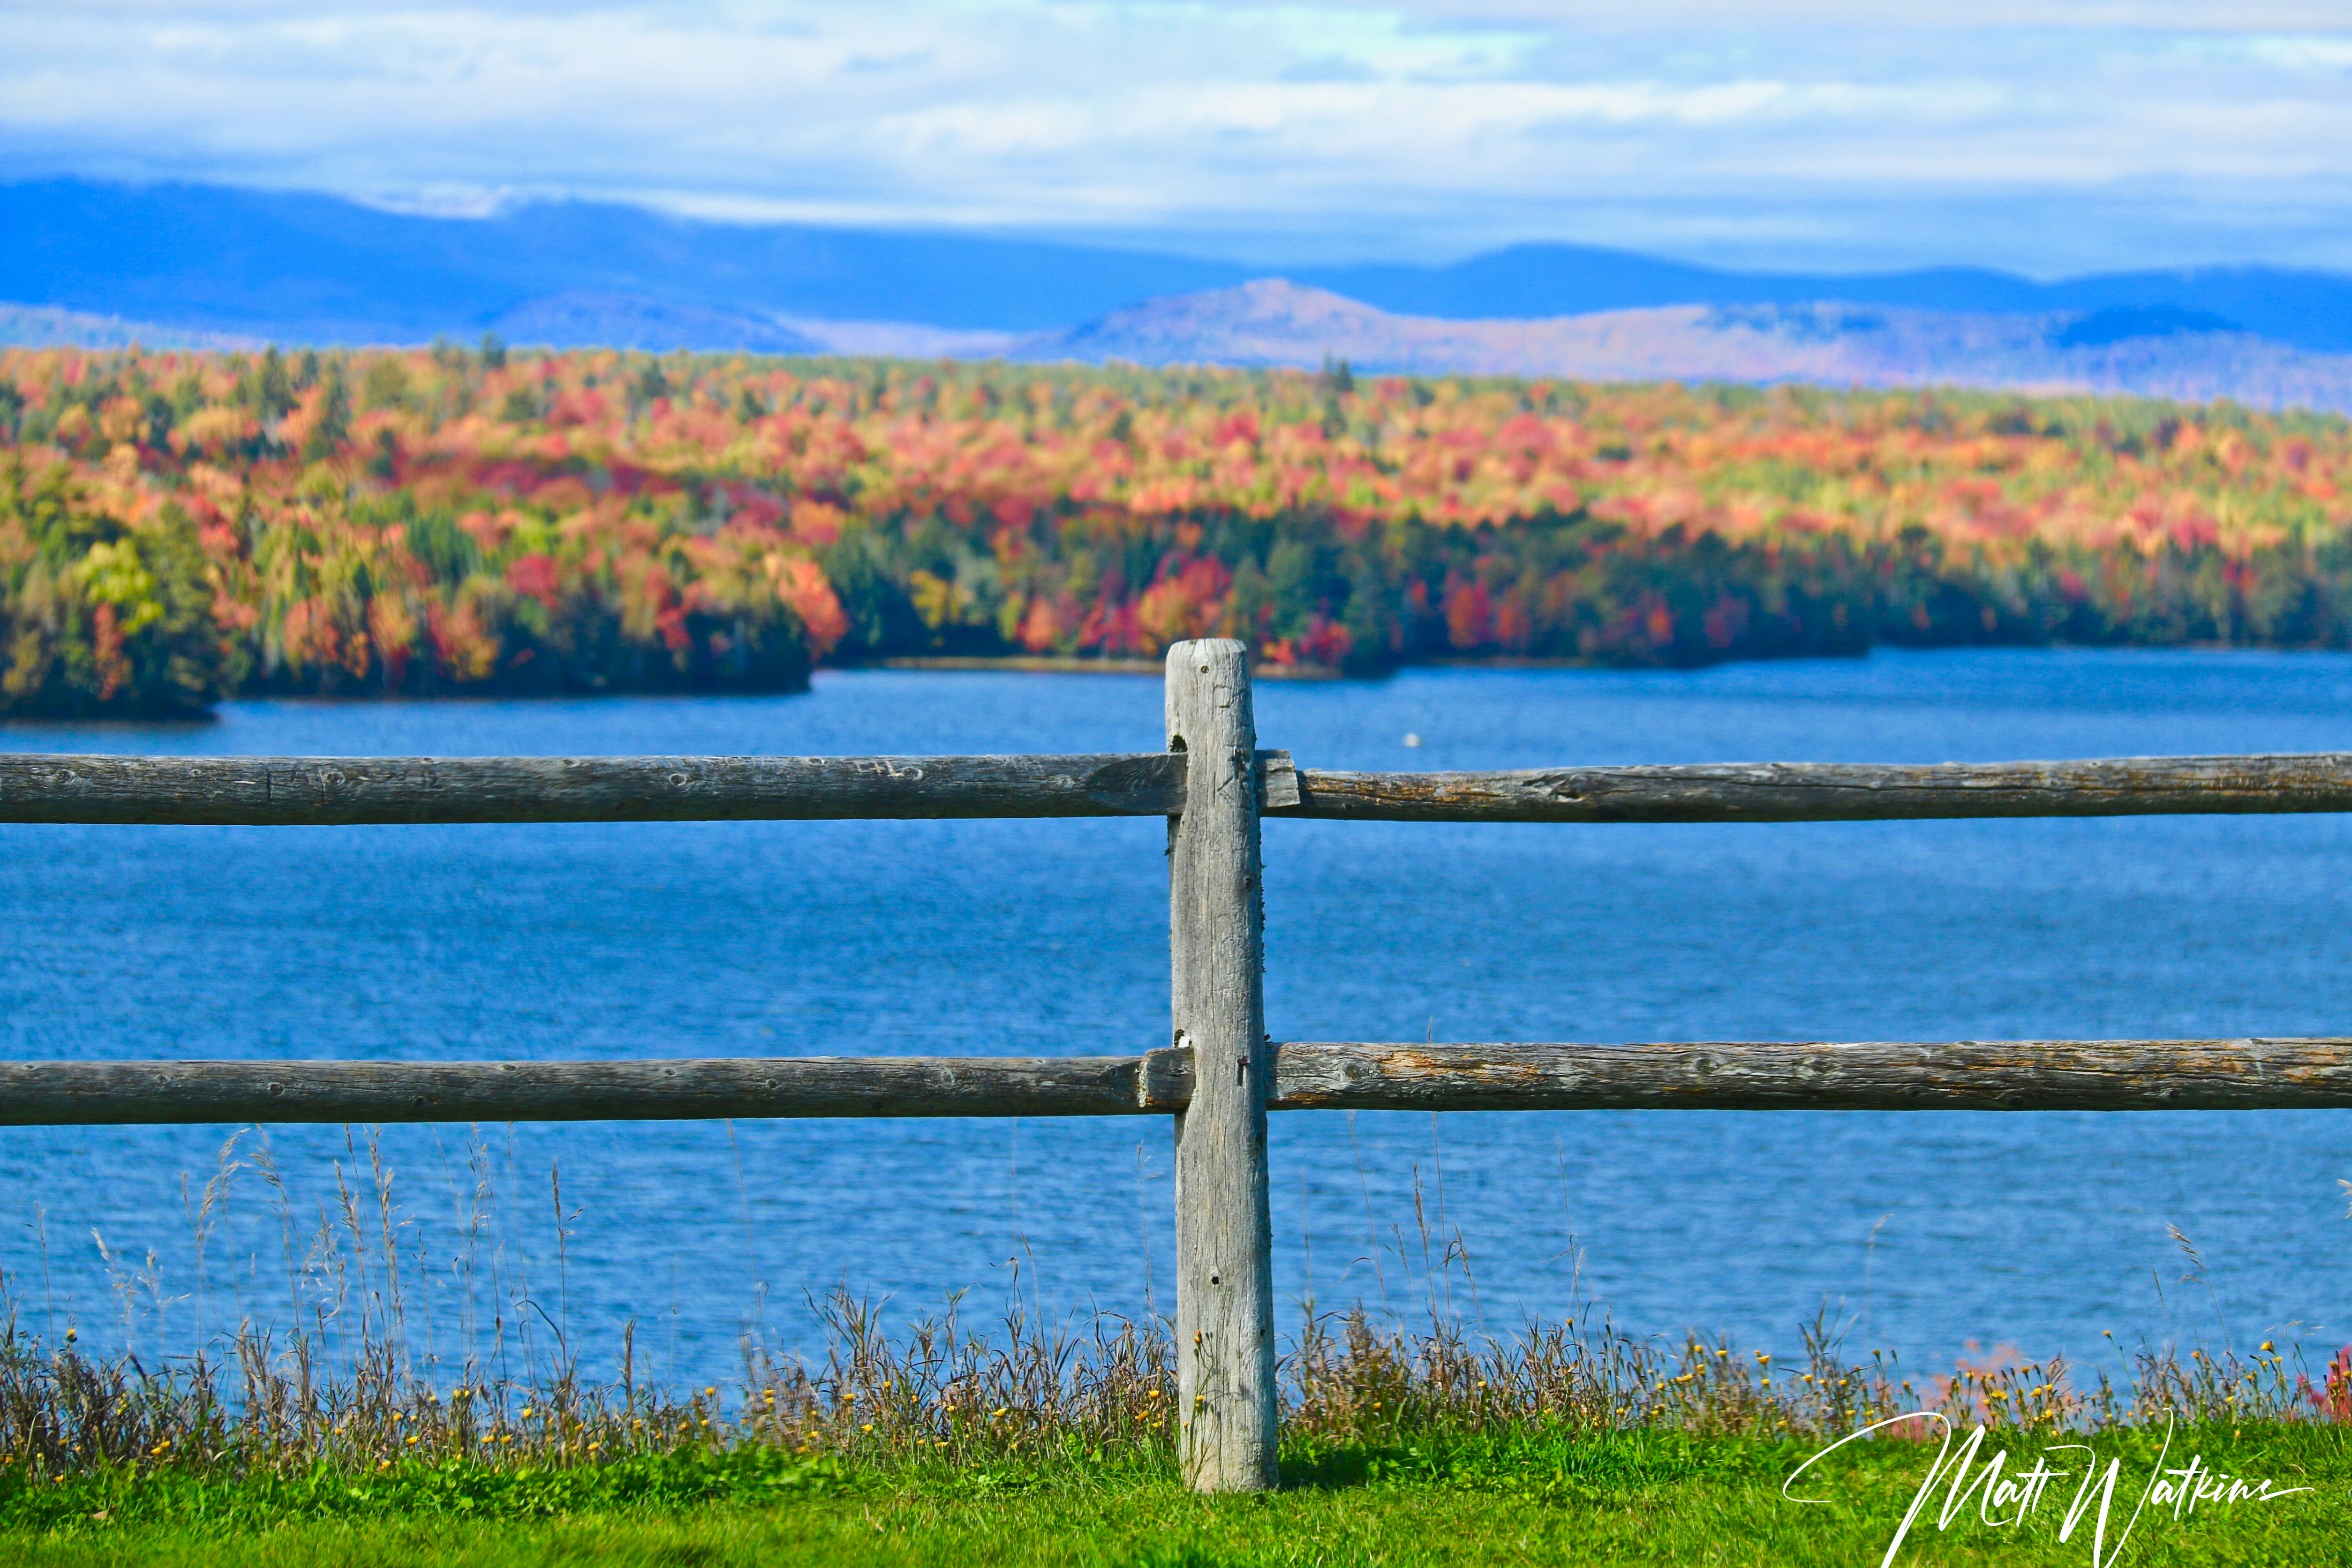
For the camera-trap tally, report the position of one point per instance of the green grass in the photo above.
(1498, 1498)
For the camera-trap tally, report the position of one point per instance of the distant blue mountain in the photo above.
(315, 267)
(587, 318)
(2124, 323)
(2305, 310)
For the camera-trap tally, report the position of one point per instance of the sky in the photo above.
(2048, 138)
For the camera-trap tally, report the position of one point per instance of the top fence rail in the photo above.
(335, 790)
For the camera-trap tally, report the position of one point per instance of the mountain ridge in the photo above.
(1278, 322)
(304, 266)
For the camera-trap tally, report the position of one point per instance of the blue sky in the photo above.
(2048, 138)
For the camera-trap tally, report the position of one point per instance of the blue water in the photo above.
(1918, 1232)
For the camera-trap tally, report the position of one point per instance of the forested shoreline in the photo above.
(179, 527)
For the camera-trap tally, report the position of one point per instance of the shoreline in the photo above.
(1046, 664)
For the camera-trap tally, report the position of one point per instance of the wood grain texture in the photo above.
(1960, 1074)
(1838, 792)
(52, 1094)
(1224, 1231)
(332, 791)
(307, 791)
(1277, 781)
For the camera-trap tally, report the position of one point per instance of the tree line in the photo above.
(179, 527)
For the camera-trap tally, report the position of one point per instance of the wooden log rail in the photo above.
(343, 790)
(339, 791)
(1839, 792)
(1963, 1074)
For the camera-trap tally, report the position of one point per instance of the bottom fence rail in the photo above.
(2252, 1074)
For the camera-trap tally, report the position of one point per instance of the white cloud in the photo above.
(2164, 129)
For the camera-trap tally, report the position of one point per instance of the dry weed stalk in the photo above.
(342, 1383)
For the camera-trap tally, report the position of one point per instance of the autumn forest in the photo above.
(179, 527)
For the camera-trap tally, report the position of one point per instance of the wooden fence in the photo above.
(1219, 1074)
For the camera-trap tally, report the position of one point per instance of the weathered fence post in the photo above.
(1216, 938)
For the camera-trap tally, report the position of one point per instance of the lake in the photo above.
(1919, 1232)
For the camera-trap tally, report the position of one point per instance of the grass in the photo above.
(1567, 1444)
(1524, 1495)
(1040, 1443)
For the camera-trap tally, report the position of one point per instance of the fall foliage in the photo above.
(177, 526)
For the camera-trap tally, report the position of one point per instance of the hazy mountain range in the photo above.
(2149, 351)
(210, 266)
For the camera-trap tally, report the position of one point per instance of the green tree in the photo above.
(335, 426)
(273, 388)
(99, 616)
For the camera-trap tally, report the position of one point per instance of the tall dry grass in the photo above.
(339, 1383)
